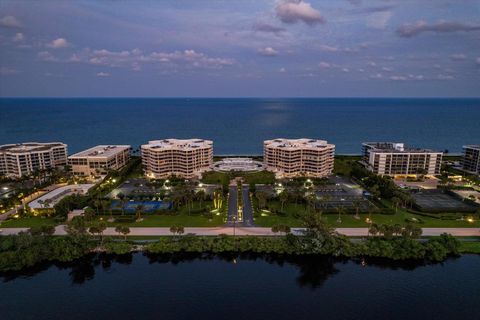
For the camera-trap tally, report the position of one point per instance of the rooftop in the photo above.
(303, 143)
(101, 151)
(30, 147)
(472, 146)
(396, 147)
(185, 144)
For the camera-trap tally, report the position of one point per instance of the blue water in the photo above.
(160, 287)
(238, 126)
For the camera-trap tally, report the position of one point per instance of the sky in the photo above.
(248, 48)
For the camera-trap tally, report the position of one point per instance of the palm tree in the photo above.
(200, 195)
(262, 199)
(283, 197)
(356, 205)
(123, 201)
(340, 211)
(311, 200)
(138, 211)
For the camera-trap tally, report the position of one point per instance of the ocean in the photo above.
(239, 126)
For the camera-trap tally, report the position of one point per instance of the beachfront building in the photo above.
(394, 158)
(99, 160)
(471, 159)
(289, 158)
(181, 158)
(23, 159)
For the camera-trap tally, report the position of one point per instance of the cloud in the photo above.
(324, 65)
(408, 77)
(328, 48)
(4, 71)
(379, 20)
(293, 11)
(18, 37)
(10, 22)
(58, 43)
(267, 52)
(266, 27)
(135, 58)
(458, 56)
(387, 69)
(103, 74)
(46, 56)
(411, 30)
(282, 70)
(478, 60)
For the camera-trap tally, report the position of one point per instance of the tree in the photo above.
(356, 204)
(283, 197)
(201, 195)
(46, 230)
(89, 213)
(396, 201)
(123, 230)
(373, 230)
(262, 199)
(98, 228)
(311, 200)
(76, 227)
(123, 201)
(138, 211)
(177, 230)
(281, 228)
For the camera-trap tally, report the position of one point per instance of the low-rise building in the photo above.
(289, 158)
(23, 159)
(394, 158)
(471, 158)
(99, 160)
(182, 158)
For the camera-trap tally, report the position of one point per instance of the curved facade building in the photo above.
(289, 158)
(182, 158)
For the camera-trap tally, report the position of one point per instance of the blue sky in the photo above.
(249, 48)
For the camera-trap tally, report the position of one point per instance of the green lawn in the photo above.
(348, 220)
(27, 222)
(470, 247)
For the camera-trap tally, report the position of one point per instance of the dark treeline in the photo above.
(29, 249)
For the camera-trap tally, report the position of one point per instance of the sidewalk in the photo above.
(254, 231)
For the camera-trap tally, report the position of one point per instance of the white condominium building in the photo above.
(182, 158)
(289, 158)
(471, 158)
(100, 159)
(394, 158)
(22, 159)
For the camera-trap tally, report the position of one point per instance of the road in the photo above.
(247, 208)
(255, 231)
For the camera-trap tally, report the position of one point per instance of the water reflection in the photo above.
(313, 271)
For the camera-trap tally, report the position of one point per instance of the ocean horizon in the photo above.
(238, 126)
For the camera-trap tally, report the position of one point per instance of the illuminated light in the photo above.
(5, 188)
(16, 216)
(368, 220)
(470, 220)
(200, 185)
(114, 180)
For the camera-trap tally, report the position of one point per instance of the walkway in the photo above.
(242, 231)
